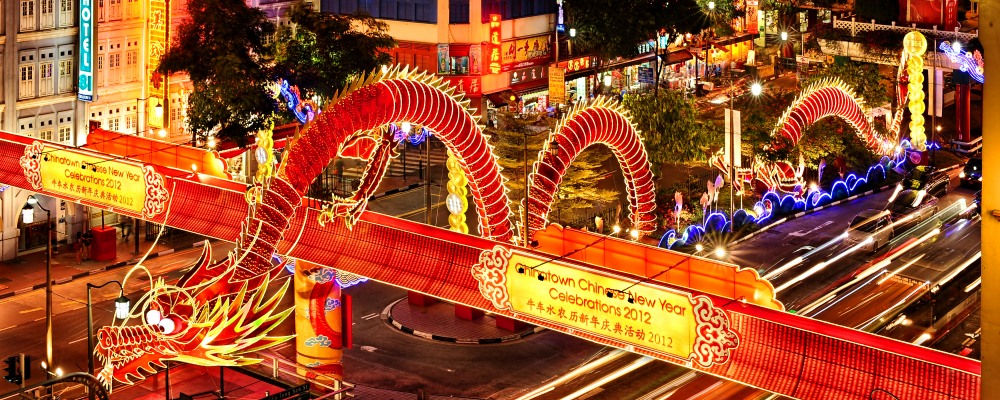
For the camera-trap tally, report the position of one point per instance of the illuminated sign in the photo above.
(495, 64)
(117, 184)
(155, 82)
(527, 52)
(577, 64)
(557, 85)
(467, 85)
(752, 16)
(85, 86)
(634, 314)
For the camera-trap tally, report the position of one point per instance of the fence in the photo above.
(855, 27)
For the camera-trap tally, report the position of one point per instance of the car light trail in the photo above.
(958, 270)
(614, 355)
(923, 338)
(610, 377)
(668, 389)
(822, 265)
(974, 285)
(899, 303)
(833, 294)
(798, 260)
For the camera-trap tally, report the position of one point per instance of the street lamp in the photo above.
(157, 111)
(755, 90)
(27, 216)
(122, 308)
(711, 6)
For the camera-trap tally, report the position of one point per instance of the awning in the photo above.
(501, 98)
(677, 57)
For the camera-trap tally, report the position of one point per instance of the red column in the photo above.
(468, 313)
(962, 113)
(420, 299)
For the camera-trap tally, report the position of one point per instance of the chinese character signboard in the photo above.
(470, 86)
(85, 90)
(521, 53)
(528, 75)
(444, 61)
(495, 63)
(752, 16)
(577, 64)
(557, 85)
(156, 83)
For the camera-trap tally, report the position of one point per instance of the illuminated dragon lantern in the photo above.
(832, 97)
(218, 312)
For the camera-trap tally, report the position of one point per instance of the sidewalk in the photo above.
(27, 272)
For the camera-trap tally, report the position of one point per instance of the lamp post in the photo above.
(27, 216)
(122, 307)
(158, 112)
(755, 90)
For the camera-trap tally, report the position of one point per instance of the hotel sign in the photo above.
(632, 314)
(120, 185)
(85, 86)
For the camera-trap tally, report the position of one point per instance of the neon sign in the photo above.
(971, 63)
(495, 63)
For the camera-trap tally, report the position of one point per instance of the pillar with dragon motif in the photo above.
(318, 327)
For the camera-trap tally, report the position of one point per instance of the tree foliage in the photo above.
(223, 49)
(671, 127)
(881, 11)
(580, 191)
(322, 52)
(613, 31)
(866, 79)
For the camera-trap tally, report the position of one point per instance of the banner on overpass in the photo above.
(654, 318)
(118, 184)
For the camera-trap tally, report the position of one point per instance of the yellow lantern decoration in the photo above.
(457, 201)
(915, 45)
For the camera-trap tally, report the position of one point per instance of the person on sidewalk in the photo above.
(78, 248)
(87, 239)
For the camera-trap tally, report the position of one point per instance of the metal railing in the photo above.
(856, 26)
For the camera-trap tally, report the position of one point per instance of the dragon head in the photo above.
(212, 322)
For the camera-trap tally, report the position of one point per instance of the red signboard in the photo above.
(576, 64)
(752, 16)
(467, 85)
(495, 64)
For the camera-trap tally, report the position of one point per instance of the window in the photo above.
(176, 111)
(26, 87)
(132, 9)
(45, 134)
(131, 64)
(130, 123)
(65, 133)
(66, 17)
(102, 10)
(404, 10)
(27, 15)
(114, 9)
(114, 124)
(43, 126)
(66, 75)
(45, 82)
(99, 69)
(115, 67)
(26, 126)
(458, 11)
(510, 9)
(48, 14)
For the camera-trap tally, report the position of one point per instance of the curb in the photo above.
(387, 317)
(85, 274)
(812, 210)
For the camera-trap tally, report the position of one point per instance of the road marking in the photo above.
(801, 233)
(31, 310)
(38, 319)
(67, 303)
(1, 330)
(366, 317)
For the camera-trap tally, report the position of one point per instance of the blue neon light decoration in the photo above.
(967, 62)
(415, 139)
(303, 110)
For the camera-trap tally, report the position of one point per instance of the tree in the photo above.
(881, 11)
(759, 115)
(610, 32)
(579, 191)
(865, 78)
(322, 52)
(223, 49)
(671, 127)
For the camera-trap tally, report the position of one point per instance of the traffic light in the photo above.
(12, 369)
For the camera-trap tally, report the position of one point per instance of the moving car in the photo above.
(928, 179)
(972, 174)
(913, 205)
(873, 223)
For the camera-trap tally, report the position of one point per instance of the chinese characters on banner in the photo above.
(115, 183)
(470, 86)
(557, 85)
(495, 64)
(576, 64)
(527, 75)
(527, 52)
(156, 83)
(752, 16)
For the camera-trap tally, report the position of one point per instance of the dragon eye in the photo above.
(167, 326)
(153, 317)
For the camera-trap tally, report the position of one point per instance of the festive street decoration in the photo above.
(456, 201)
(600, 121)
(318, 337)
(395, 96)
(915, 45)
(967, 62)
(304, 110)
